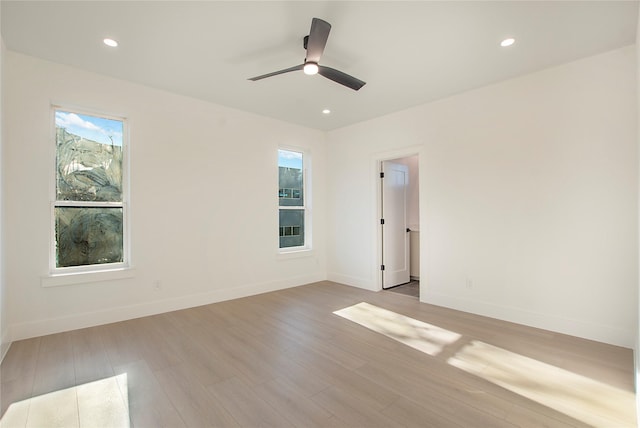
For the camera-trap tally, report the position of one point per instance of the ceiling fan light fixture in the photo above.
(310, 68)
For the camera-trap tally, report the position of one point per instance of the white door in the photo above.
(395, 235)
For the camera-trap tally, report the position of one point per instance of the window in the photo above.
(293, 211)
(89, 211)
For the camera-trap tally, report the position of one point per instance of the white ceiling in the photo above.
(409, 53)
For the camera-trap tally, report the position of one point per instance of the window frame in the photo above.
(306, 200)
(54, 203)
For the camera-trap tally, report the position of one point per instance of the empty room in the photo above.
(319, 213)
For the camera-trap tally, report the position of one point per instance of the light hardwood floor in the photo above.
(285, 359)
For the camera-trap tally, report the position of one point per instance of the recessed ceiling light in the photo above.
(326, 111)
(110, 42)
(507, 42)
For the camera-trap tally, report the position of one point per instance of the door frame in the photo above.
(376, 167)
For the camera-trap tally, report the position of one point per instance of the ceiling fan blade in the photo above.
(341, 78)
(318, 36)
(275, 73)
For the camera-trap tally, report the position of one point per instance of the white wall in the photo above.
(528, 188)
(4, 331)
(203, 200)
(637, 347)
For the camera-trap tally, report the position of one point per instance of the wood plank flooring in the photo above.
(284, 359)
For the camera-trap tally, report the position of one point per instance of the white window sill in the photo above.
(295, 254)
(62, 279)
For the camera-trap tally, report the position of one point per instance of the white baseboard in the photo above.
(365, 283)
(91, 319)
(572, 327)
(636, 359)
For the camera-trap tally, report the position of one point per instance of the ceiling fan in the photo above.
(314, 43)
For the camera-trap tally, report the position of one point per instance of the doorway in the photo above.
(400, 225)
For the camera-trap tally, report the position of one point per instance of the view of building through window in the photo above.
(88, 209)
(291, 198)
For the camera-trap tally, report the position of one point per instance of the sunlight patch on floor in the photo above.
(587, 400)
(419, 335)
(95, 404)
(584, 399)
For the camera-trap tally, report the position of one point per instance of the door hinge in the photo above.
(382, 175)
(381, 221)
(381, 267)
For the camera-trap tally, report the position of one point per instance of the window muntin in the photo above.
(291, 199)
(89, 215)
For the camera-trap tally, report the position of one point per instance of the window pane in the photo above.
(293, 223)
(88, 235)
(88, 158)
(290, 177)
